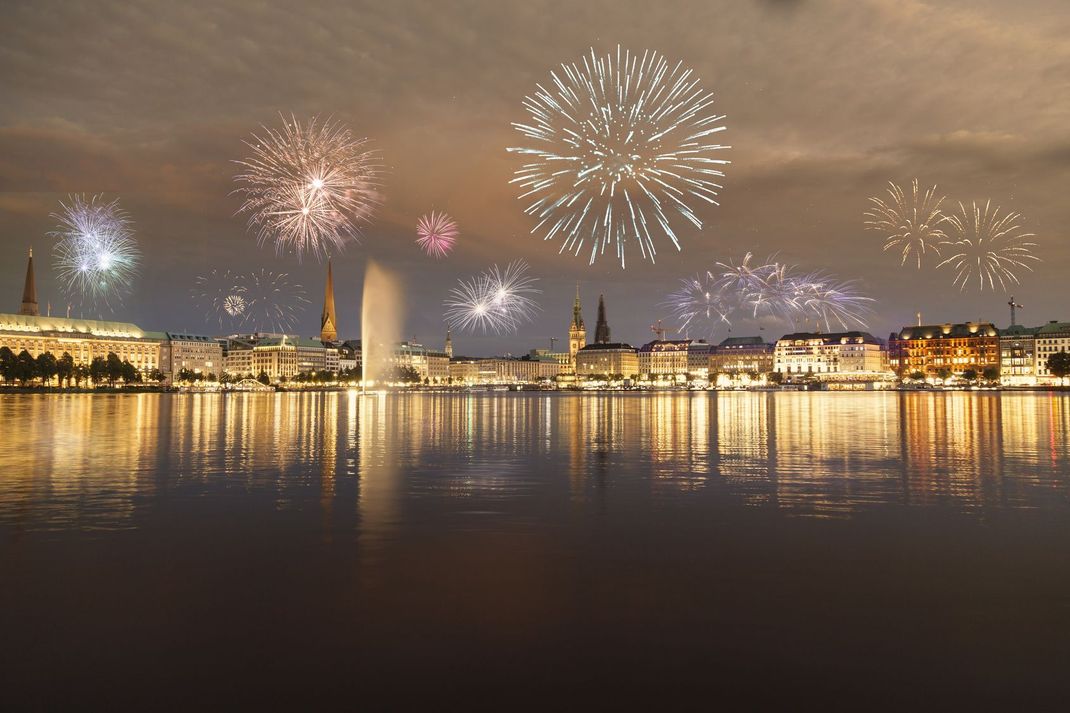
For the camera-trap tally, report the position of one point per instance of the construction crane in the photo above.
(658, 330)
(553, 341)
(1014, 307)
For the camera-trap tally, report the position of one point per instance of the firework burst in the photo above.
(767, 291)
(436, 234)
(910, 223)
(988, 248)
(621, 149)
(221, 295)
(263, 301)
(96, 255)
(496, 301)
(308, 186)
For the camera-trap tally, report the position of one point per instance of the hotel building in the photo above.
(1017, 355)
(665, 359)
(928, 349)
(1052, 338)
(856, 356)
(736, 356)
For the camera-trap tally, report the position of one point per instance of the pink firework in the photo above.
(437, 232)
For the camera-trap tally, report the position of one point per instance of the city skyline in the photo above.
(801, 143)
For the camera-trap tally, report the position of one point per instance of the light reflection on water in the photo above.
(379, 464)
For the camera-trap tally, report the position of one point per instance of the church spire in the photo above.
(29, 291)
(449, 343)
(577, 316)
(328, 322)
(601, 329)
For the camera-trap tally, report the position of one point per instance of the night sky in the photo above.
(826, 101)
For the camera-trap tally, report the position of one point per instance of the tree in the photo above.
(211, 377)
(47, 367)
(944, 373)
(263, 378)
(81, 373)
(775, 377)
(990, 373)
(158, 376)
(98, 370)
(917, 375)
(8, 362)
(114, 367)
(970, 375)
(130, 373)
(65, 368)
(1059, 364)
(406, 374)
(25, 367)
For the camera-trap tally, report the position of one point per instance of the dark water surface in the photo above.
(521, 550)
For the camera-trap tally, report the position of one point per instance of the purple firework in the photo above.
(436, 234)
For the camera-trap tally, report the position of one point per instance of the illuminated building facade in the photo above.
(1017, 355)
(608, 359)
(741, 355)
(83, 339)
(577, 331)
(858, 355)
(932, 349)
(430, 364)
(1052, 338)
(202, 355)
(664, 358)
(279, 356)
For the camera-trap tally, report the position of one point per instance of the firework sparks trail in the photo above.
(771, 290)
(910, 223)
(95, 254)
(622, 148)
(989, 247)
(436, 234)
(495, 301)
(262, 301)
(309, 187)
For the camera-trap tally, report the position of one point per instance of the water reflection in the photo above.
(374, 464)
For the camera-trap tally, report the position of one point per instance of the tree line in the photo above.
(47, 368)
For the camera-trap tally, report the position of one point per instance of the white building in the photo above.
(853, 355)
(1052, 338)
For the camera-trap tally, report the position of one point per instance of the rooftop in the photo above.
(949, 331)
(64, 325)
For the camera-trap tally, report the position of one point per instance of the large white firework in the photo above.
(988, 247)
(496, 301)
(309, 186)
(771, 291)
(912, 223)
(622, 150)
(96, 255)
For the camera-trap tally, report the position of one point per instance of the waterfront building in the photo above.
(517, 370)
(29, 291)
(698, 360)
(735, 356)
(463, 370)
(280, 356)
(937, 349)
(852, 356)
(328, 320)
(577, 331)
(1052, 338)
(664, 359)
(608, 359)
(1017, 355)
(430, 364)
(349, 354)
(200, 354)
(83, 339)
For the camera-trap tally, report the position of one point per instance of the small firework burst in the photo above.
(910, 223)
(308, 186)
(96, 255)
(621, 149)
(988, 247)
(262, 300)
(496, 301)
(436, 234)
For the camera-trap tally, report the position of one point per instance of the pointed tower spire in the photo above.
(577, 332)
(29, 291)
(328, 322)
(449, 343)
(601, 329)
(577, 315)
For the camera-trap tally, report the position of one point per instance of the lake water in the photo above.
(512, 550)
